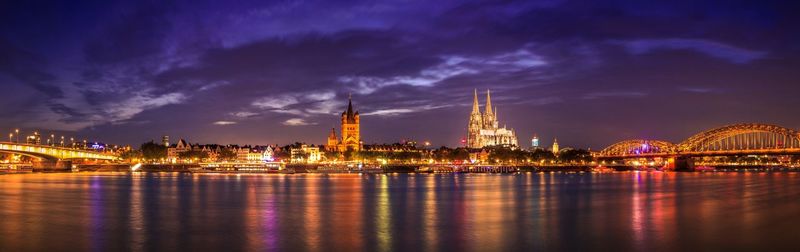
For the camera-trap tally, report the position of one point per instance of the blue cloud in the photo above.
(711, 48)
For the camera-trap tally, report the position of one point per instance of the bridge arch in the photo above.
(638, 147)
(37, 156)
(745, 136)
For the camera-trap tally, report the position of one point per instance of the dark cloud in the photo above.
(27, 68)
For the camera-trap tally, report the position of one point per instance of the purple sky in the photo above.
(272, 72)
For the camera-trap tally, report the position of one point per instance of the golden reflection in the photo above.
(312, 214)
(384, 218)
(431, 213)
(637, 214)
(136, 220)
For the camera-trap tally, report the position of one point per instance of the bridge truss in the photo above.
(736, 139)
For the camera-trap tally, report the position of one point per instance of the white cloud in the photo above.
(297, 122)
(451, 66)
(321, 96)
(316, 102)
(389, 112)
(244, 114)
(140, 102)
(275, 102)
(224, 123)
(400, 111)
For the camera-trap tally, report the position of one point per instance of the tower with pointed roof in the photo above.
(475, 123)
(333, 141)
(484, 128)
(351, 129)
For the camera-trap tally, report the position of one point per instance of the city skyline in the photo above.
(589, 74)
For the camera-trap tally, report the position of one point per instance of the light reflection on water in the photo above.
(422, 212)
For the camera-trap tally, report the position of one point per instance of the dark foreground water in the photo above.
(474, 212)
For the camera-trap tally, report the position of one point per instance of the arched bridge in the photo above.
(737, 139)
(639, 147)
(53, 153)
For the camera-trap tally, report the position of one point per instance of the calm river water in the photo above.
(416, 212)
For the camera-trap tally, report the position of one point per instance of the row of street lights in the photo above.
(51, 141)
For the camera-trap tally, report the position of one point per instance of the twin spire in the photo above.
(476, 107)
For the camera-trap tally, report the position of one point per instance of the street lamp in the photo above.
(16, 131)
(62, 141)
(10, 136)
(53, 139)
(72, 142)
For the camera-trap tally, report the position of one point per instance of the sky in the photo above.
(589, 73)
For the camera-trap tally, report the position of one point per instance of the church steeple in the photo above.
(475, 106)
(488, 102)
(350, 106)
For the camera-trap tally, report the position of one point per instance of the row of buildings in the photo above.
(483, 131)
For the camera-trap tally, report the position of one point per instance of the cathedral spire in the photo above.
(488, 102)
(350, 105)
(475, 106)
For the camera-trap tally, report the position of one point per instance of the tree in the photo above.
(153, 151)
(332, 155)
(131, 154)
(575, 155)
(350, 154)
(539, 155)
(227, 154)
(459, 154)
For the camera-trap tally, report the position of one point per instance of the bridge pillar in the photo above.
(52, 166)
(684, 163)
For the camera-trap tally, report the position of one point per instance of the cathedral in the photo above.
(351, 132)
(484, 130)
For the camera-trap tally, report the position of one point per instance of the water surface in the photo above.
(416, 212)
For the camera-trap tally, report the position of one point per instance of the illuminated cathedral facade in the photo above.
(484, 130)
(351, 132)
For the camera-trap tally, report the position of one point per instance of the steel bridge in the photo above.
(51, 153)
(737, 139)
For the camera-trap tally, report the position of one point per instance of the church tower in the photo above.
(475, 124)
(555, 146)
(333, 142)
(489, 120)
(351, 132)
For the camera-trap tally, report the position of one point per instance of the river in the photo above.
(628, 211)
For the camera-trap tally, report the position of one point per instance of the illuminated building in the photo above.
(351, 132)
(34, 139)
(268, 155)
(174, 152)
(483, 128)
(535, 142)
(165, 141)
(306, 154)
(555, 146)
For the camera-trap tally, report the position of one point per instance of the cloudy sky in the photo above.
(255, 72)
